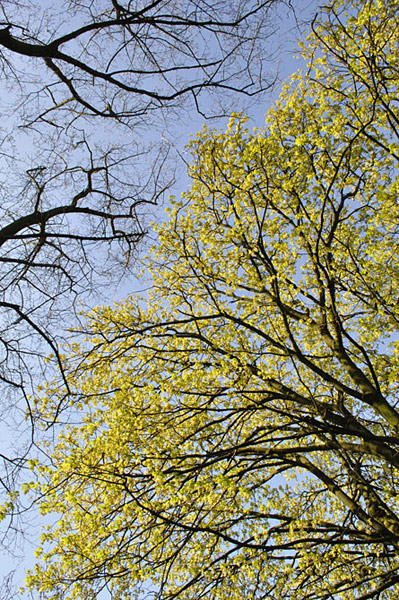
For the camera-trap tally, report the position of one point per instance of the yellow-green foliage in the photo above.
(239, 432)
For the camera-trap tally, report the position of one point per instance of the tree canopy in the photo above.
(238, 433)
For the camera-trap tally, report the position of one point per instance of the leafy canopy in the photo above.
(239, 428)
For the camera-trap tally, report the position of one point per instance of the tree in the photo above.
(124, 60)
(238, 432)
(75, 192)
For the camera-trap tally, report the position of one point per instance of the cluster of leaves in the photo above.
(239, 427)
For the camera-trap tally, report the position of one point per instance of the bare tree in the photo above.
(125, 61)
(81, 77)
